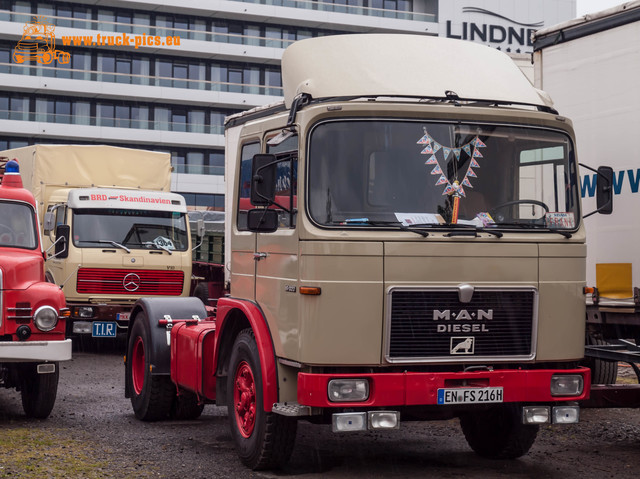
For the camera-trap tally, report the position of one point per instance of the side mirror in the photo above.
(200, 228)
(49, 222)
(262, 220)
(62, 241)
(604, 190)
(263, 179)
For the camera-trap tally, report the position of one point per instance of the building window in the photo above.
(105, 114)
(19, 108)
(4, 107)
(82, 63)
(81, 112)
(140, 117)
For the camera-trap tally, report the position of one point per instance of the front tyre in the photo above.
(264, 440)
(38, 391)
(498, 433)
(151, 396)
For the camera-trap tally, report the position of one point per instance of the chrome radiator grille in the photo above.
(433, 324)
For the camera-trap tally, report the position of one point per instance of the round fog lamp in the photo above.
(45, 318)
(23, 332)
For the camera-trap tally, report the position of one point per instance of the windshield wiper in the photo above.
(462, 230)
(470, 230)
(566, 234)
(366, 221)
(150, 244)
(112, 243)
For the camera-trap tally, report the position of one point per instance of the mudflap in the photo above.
(152, 310)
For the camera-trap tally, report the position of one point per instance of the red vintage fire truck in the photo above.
(32, 326)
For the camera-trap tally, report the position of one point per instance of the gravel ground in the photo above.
(92, 433)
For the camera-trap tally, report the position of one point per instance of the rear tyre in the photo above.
(263, 440)
(602, 371)
(185, 407)
(151, 395)
(38, 391)
(498, 433)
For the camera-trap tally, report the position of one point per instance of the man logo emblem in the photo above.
(462, 345)
(131, 282)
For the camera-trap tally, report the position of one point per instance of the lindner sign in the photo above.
(506, 25)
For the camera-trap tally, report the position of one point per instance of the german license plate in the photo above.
(122, 316)
(470, 395)
(104, 329)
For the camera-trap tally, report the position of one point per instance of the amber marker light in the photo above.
(311, 290)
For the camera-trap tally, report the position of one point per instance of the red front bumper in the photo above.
(421, 389)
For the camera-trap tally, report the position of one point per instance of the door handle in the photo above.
(259, 256)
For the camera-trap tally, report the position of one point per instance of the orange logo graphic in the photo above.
(39, 42)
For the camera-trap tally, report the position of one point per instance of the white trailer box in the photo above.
(590, 66)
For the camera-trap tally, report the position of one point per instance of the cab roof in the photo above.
(402, 65)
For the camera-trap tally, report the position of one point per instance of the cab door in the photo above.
(243, 241)
(276, 258)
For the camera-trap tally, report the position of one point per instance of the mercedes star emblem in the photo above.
(131, 282)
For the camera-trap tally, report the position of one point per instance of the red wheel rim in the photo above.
(138, 366)
(244, 399)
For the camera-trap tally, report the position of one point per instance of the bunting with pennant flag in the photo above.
(470, 149)
(456, 186)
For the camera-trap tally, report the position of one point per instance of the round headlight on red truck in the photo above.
(45, 318)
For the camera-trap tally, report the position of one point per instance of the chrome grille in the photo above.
(131, 282)
(435, 326)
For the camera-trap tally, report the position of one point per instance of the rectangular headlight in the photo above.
(384, 419)
(536, 415)
(566, 414)
(348, 390)
(82, 327)
(83, 311)
(566, 385)
(349, 421)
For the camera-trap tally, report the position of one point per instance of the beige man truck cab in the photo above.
(113, 230)
(406, 243)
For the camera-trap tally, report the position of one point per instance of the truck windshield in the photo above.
(17, 225)
(133, 229)
(372, 173)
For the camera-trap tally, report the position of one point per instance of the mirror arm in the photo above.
(594, 212)
(588, 167)
(53, 245)
(597, 173)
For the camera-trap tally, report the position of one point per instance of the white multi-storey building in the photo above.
(162, 75)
